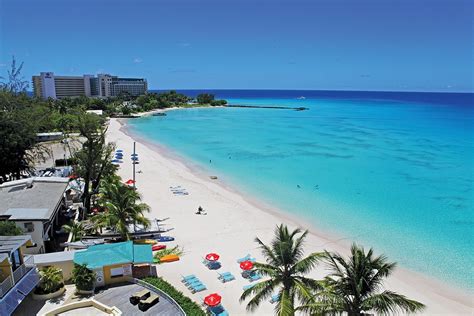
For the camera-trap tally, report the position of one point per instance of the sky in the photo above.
(399, 45)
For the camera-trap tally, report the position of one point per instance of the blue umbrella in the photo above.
(116, 161)
(134, 155)
(119, 150)
(134, 158)
(118, 155)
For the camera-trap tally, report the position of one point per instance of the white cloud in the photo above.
(137, 60)
(184, 44)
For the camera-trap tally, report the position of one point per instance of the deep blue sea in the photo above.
(393, 171)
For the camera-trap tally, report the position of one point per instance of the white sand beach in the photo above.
(230, 227)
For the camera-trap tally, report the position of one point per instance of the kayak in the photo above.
(165, 238)
(146, 241)
(158, 247)
(169, 258)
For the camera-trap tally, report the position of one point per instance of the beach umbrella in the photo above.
(134, 155)
(116, 161)
(246, 265)
(129, 181)
(134, 158)
(119, 151)
(212, 256)
(213, 299)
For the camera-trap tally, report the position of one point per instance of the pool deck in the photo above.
(117, 295)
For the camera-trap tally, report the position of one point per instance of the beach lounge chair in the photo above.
(143, 294)
(245, 288)
(275, 298)
(193, 283)
(222, 275)
(227, 278)
(185, 278)
(148, 302)
(198, 288)
(255, 277)
(248, 257)
(214, 265)
(218, 310)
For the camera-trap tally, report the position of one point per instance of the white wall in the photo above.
(36, 236)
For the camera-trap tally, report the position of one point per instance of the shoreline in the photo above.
(439, 297)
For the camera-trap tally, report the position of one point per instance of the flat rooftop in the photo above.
(31, 199)
(9, 244)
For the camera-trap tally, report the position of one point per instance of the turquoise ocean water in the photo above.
(391, 171)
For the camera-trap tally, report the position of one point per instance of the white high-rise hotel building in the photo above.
(47, 85)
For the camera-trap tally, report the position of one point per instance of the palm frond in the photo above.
(389, 302)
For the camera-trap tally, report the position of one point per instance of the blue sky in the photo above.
(399, 45)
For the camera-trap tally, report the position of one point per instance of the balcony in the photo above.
(18, 274)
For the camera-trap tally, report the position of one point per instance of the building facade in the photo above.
(47, 85)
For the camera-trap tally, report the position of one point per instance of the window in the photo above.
(29, 227)
(116, 272)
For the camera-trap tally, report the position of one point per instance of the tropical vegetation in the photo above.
(121, 208)
(51, 280)
(285, 269)
(355, 286)
(188, 305)
(83, 277)
(76, 229)
(8, 228)
(176, 250)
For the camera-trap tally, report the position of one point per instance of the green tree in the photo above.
(51, 280)
(16, 83)
(83, 277)
(122, 208)
(76, 229)
(285, 268)
(94, 160)
(355, 285)
(205, 98)
(8, 228)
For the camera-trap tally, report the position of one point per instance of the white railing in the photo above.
(6, 285)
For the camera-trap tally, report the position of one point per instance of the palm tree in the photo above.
(286, 269)
(121, 208)
(355, 286)
(76, 229)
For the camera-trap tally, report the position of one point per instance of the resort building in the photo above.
(35, 205)
(18, 275)
(48, 85)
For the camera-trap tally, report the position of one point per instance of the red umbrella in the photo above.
(246, 265)
(212, 256)
(213, 299)
(130, 181)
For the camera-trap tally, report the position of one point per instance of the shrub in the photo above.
(83, 277)
(218, 102)
(51, 280)
(189, 307)
(8, 228)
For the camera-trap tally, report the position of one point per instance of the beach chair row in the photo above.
(193, 283)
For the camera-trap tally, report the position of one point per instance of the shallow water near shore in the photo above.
(391, 171)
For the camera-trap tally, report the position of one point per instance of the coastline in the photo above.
(234, 242)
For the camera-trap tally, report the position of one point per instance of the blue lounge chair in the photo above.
(184, 279)
(227, 278)
(248, 257)
(255, 277)
(214, 265)
(222, 275)
(218, 310)
(275, 298)
(193, 283)
(248, 286)
(198, 288)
